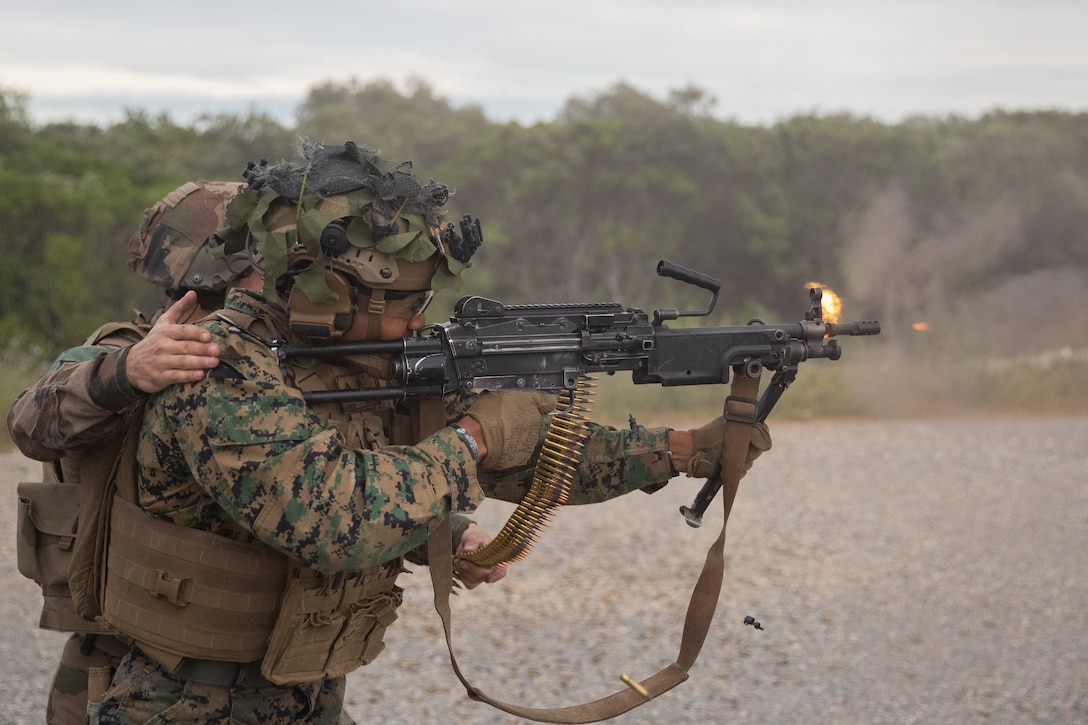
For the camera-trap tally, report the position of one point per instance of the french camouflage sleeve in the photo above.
(240, 449)
(612, 463)
(76, 404)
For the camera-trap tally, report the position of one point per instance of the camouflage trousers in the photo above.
(143, 692)
(68, 695)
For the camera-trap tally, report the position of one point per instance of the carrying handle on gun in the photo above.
(704, 597)
(665, 268)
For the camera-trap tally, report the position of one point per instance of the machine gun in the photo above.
(487, 345)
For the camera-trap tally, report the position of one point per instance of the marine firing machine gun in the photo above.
(487, 345)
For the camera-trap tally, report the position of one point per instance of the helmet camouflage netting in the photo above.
(364, 200)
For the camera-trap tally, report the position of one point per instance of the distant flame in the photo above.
(830, 302)
(921, 326)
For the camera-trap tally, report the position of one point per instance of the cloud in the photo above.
(524, 61)
(59, 81)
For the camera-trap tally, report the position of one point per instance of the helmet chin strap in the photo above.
(374, 309)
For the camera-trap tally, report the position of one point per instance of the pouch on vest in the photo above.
(329, 626)
(46, 529)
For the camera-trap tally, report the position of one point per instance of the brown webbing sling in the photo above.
(740, 413)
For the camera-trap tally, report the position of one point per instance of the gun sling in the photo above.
(740, 412)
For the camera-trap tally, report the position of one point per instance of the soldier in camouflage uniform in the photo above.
(258, 563)
(80, 398)
(83, 399)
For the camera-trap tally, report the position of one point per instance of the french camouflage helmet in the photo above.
(348, 222)
(177, 245)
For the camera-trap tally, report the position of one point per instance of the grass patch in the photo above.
(22, 366)
(1057, 388)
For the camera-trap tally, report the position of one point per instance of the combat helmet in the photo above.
(177, 246)
(346, 222)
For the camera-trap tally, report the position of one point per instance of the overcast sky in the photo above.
(762, 61)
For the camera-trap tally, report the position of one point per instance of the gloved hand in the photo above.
(709, 440)
(512, 421)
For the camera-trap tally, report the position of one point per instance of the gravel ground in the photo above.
(903, 572)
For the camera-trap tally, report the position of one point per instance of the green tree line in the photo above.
(952, 221)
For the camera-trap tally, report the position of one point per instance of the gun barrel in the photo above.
(345, 349)
(861, 327)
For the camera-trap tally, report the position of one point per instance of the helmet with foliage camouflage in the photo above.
(346, 221)
(177, 247)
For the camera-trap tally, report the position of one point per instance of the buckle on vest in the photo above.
(169, 588)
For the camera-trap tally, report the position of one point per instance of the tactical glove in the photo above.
(512, 421)
(709, 440)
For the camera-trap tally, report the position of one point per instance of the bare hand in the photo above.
(172, 352)
(470, 574)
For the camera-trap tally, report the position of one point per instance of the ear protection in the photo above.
(326, 321)
(376, 270)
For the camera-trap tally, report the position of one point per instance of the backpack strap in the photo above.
(122, 333)
(740, 414)
(106, 470)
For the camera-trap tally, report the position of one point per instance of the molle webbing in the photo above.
(331, 625)
(363, 425)
(190, 592)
